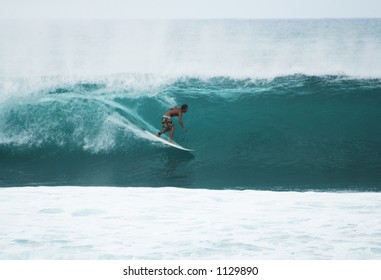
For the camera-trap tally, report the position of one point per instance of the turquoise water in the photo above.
(274, 105)
(292, 132)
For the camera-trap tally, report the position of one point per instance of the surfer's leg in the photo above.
(171, 135)
(165, 127)
(161, 132)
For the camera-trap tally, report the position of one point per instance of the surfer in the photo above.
(167, 122)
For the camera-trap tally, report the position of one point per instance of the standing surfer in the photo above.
(167, 122)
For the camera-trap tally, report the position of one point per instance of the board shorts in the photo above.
(167, 124)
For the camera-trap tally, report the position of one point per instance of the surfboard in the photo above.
(174, 145)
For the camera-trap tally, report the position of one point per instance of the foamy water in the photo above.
(173, 223)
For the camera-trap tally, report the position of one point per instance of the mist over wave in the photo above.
(234, 48)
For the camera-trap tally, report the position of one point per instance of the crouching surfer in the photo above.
(167, 121)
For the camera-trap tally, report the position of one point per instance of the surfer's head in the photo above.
(184, 108)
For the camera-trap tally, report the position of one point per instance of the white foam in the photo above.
(172, 223)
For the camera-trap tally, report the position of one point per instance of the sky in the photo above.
(188, 9)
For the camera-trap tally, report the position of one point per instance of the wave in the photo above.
(279, 104)
(283, 133)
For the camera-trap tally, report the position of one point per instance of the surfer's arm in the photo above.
(181, 121)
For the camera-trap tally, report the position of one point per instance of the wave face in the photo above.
(280, 105)
(290, 131)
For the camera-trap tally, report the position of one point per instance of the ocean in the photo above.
(284, 120)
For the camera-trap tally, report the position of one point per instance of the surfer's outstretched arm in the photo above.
(181, 121)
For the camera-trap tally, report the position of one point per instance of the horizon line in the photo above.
(190, 18)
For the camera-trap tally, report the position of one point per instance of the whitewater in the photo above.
(283, 117)
(175, 223)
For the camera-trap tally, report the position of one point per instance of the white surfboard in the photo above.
(174, 145)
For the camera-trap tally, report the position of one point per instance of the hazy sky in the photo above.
(169, 9)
